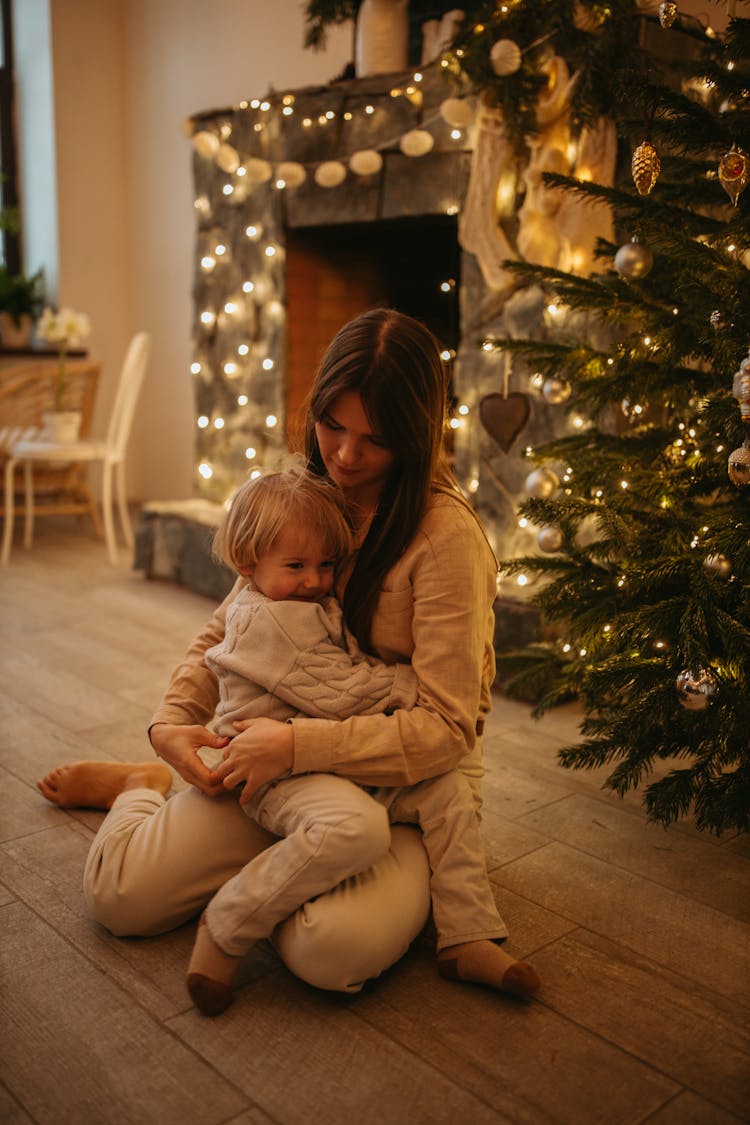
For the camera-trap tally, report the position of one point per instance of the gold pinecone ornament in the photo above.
(646, 167)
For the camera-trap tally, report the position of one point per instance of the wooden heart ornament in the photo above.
(504, 416)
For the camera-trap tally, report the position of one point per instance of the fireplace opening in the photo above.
(335, 272)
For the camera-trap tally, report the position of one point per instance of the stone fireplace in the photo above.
(281, 264)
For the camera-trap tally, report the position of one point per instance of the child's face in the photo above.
(295, 569)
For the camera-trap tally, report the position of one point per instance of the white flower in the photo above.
(66, 328)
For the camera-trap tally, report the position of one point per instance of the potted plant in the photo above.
(65, 329)
(21, 299)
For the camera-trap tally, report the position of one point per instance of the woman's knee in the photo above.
(365, 924)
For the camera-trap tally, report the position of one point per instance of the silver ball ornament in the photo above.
(542, 483)
(718, 565)
(633, 260)
(549, 539)
(556, 390)
(738, 466)
(696, 690)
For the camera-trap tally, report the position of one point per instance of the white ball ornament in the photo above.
(718, 565)
(366, 162)
(227, 158)
(258, 171)
(505, 57)
(457, 112)
(550, 539)
(292, 173)
(556, 390)
(542, 483)
(205, 143)
(417, 142)
(633, 260)
(330, 174)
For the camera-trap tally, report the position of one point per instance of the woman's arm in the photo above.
(177, 730)
(436, 610)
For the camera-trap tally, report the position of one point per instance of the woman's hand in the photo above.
(179, 745)
(261, 752)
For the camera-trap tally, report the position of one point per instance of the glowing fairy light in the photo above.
(250, 453)
(523, 522)
(202, 422)
(205, 470)
(488, 346)
(255, 474)
(267, 364)
(242, 400)
(522, 579)
(228, 189)
(463, 408)
(566, 647)
(230, 368)
(208, 317)
(195, 368)
(231, 307)
(473, 484)
(208, 262)
(248, 286)
(218, 423)
(243, 349)
(271, 421)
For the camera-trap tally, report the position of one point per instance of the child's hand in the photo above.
(261, 752)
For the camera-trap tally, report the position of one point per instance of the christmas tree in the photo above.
(643, 512)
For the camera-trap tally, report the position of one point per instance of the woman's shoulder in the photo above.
(448, 523)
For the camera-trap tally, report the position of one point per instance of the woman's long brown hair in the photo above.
(393, 363)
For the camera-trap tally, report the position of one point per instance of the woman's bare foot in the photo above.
(94, 785)
(484, 962)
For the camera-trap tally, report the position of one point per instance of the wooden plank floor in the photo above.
(640, 935)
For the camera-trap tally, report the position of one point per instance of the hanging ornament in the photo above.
(291, 173)
(542, 483)
(366, 162)
(718, 565)
(738, 465)
(556, 390)
(504, 416)
(734, 172)
(646, 167)
(417, 142)
(550, 539)
(741, 388)
(505, 57)
(258, 171)
(716, 320)
(330, 174)
(457, 112)
(696, 689)
(633, 260)
(667, 13)
(205, 143)
(227, 158)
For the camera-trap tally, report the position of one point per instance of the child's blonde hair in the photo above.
(263, 506)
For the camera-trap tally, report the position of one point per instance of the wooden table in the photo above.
(26, 392)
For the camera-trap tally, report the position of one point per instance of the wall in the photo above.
(125, 75)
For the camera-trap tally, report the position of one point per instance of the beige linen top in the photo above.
(435, 610)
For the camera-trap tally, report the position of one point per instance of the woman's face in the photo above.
(353, 453)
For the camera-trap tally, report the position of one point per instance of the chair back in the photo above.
(128, 389)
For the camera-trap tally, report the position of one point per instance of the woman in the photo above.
(420, 587)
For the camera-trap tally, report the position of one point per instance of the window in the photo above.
(10, 254)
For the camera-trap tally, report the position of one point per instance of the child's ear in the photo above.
(246, 571)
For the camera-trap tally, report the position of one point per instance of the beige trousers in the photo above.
(156, 863)
(332, 829)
